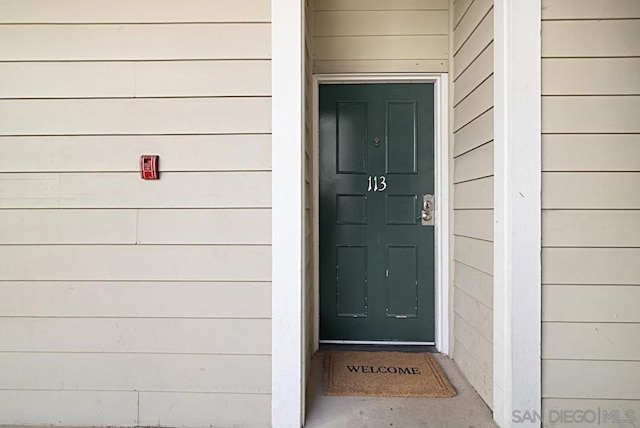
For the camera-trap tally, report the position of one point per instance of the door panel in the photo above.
(376, 257)
(402, 281)
(402, 209)
(351, 209)
(402, 143)
(351, 281)
(351, 137)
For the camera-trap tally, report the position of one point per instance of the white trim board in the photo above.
(287, 331)
(441, 165)
(517, 215)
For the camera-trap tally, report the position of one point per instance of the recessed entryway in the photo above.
(466, 409)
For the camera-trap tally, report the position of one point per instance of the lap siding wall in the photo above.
(130, 302)
(473, 192)
(380, 36)
(591, 209)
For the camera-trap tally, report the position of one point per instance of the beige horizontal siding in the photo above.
(477, 103)
(606, 228)
(381, 47)
(358, 36)
(203, 78)
(481, 38)
(474, 134)
(162, 299)
(475, 314)
(89, 407)
(474, 282)
(590, 379)
(173, 190)
(480, 379)
(472, 124)
(475, 253)
(135, 79)
(591, 239)
(474, 75)
(380, 5)
(99, 335)
(381, 66)
(476, 224)
(589, 114)
(164, 285)
(591, 76)
(371, 23)
(135, 116)
(143, 42)
(590, 9)
(250, 410)
(147, 372)
(67, 79)
(475, 343)
(247, 226)
(460, 9)
(590, 341)
(68, 226)
(591, 190)
(124, 11)
(471, 18)
(591, 303)
(591, 266)
(135, 262)
(178, 153)
(476, 194)
(590, 38)
(598, 152)
(477, 163)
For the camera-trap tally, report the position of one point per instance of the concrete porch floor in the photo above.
(465, 410)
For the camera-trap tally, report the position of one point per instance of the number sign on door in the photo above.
(377, 184)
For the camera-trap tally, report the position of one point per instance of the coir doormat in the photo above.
(385, 374)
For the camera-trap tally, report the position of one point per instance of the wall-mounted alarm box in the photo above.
(149, 167)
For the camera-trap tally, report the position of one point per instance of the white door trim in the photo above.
(517, 215)
(441, 164)
(287, 332)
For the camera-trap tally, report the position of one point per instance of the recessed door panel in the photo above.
(351, 281)
(351, 137)
(402, 209)
(351, 209)
(402, 145)
(402, 281)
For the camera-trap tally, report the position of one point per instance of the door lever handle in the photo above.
(427, 214)
(424, 216)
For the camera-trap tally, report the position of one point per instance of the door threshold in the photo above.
(376, 342)
(376, 347)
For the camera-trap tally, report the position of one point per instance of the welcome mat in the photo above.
(385, 374)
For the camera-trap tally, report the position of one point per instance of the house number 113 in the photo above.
(377, 184)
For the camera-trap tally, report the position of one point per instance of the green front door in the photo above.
(376, 252)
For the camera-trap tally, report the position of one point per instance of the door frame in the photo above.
(441, 187)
